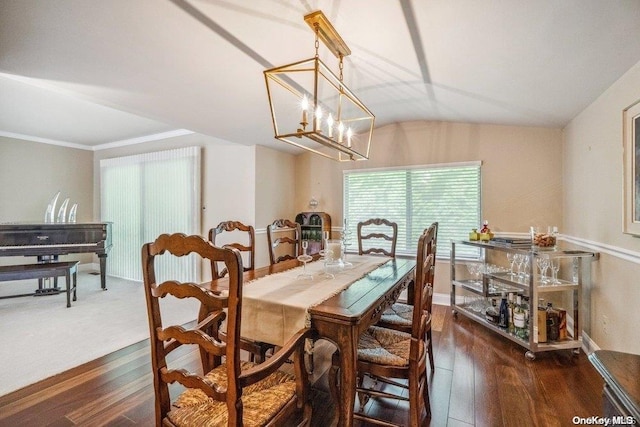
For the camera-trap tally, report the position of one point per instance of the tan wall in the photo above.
(593, 200)
(32, 173)
(521, 171)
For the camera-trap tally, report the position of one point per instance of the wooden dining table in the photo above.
(342, 317)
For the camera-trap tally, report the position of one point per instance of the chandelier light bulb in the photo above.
(340, 132)
(305, 107)
(349, 135)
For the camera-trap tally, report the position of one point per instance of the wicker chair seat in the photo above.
(399, 314)
(261, 401)
(385, 347)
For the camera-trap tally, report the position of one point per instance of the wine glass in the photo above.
(512, 261)
(474, 270)
(304, 259)
(554, 264)
(525, 267)
(543, 265)
(519, 259)
(345, 242)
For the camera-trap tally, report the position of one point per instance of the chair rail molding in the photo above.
(615, 251)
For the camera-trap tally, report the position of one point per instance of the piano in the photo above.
(49, 240)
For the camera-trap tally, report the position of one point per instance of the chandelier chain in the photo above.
(341, 66)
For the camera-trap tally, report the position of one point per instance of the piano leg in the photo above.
(103, 271)
(44, 285)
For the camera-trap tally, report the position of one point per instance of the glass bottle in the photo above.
(542, 321)
(511, 307)
(553, 331)
(519, 318)
(503, 321)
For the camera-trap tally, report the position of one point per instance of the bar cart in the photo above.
(473, 297)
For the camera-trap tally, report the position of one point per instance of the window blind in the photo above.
(414, 198)
(147, 195)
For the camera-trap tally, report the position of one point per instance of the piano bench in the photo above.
(41, 271)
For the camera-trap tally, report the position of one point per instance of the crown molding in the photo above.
(114, 144)
(45, 140)
(142, 139)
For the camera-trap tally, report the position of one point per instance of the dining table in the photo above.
(339, 306)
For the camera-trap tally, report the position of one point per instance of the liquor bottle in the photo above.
(519, 322)
(503, 322)
(553, 331)
(542, 321)
(527, 313)
(491, 313)
(511, 306)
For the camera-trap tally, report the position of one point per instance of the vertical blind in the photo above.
(414, 198)
(147, 195)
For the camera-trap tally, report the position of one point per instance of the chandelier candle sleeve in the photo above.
(308, 90)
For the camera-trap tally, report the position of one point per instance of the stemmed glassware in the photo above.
(543, 265)
(519, 259)
(323, 254)
(554, 264)
(525, 267)
(512, 261)
(345, 242)
(304, 259)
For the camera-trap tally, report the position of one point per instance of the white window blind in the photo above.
(147, 195)
(414, 198)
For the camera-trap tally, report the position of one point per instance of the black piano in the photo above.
(49, 240)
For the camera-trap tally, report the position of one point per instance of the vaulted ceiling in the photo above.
(93, 72)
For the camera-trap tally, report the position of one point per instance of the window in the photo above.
(147, 195)
(416, 197)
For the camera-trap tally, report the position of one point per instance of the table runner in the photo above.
(276, 306)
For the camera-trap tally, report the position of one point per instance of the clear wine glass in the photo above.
(519, 258)
(512, 262)
(346, 241)
(304, 259)
(525, 267)
(554, 264)
(473, 269)
(543, 265)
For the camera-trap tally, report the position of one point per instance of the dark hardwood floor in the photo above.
(481, 379)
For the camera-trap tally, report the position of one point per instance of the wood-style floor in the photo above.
(481, 379)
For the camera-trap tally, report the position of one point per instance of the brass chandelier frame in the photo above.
(349, 111)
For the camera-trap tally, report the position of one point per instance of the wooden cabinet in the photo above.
(313, 224)
(621, 394)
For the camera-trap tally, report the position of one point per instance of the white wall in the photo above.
(593, 207)
(250, 184)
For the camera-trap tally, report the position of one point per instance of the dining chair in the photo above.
(229, 391)
(235, 231)
(243, 238)
(380, 238)
(388, 355)
(284, 237)
(399, 316)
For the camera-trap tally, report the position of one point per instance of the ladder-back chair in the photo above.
(377, 236)
(230, 392)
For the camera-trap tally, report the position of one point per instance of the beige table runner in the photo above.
(276, 306)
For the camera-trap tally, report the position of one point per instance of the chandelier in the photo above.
(312, 108)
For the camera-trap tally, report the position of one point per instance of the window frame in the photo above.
(402, 249)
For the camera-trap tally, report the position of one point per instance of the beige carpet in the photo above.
(41, 337)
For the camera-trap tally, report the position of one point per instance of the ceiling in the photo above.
(93, 73)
